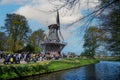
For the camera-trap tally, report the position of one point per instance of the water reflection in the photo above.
(104, 70)
(108, 70)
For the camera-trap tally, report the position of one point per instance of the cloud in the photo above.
(39, 10)
(35, 11)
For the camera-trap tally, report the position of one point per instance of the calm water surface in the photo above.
(105, 70)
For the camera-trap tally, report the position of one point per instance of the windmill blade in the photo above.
(46, 34)
(61, 35)
(58, 20)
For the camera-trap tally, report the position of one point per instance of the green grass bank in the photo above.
(22, 70)
(109, 59)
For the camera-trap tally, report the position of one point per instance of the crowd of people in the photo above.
(25, 56)
(30, 57)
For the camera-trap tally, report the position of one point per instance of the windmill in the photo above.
(52, 44)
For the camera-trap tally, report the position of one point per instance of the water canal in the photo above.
(105, 70)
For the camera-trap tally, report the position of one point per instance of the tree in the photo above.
(92, 38)
(111, 24)
(35, 38)
(29, 48)
(17, 30)
(3, 44)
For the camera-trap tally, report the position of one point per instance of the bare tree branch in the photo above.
(101, 9)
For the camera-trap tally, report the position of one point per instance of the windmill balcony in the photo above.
(54, 41)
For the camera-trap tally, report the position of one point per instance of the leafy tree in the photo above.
(3, 44)
(29, 48)
(111, 24)
(92, 40)
(35, 39)
(17, 30)
(37, 49)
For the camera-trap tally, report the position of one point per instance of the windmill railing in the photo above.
(57, 42)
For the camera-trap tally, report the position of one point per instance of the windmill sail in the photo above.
(57, 19)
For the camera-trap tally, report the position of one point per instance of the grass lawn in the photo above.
(21, 70)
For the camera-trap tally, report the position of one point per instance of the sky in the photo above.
(39, 16)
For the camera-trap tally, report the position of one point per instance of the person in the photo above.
(12, 58)
(27, 57)
(0, 54)
(6, 59)
(17, 59)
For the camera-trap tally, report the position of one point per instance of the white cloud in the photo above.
(38, 10)
(35, 9)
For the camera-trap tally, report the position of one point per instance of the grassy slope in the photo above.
(20, 70)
